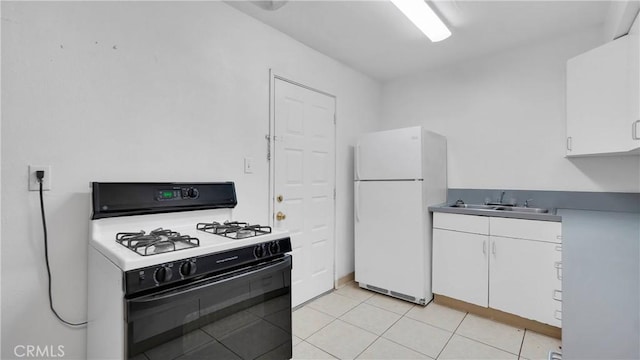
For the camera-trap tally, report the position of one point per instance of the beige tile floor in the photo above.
(353, 323)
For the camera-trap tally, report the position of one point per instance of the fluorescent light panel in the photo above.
(424, 18)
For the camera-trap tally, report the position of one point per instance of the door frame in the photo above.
(271, 149)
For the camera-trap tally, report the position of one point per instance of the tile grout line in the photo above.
(489, 345)
(329, 323)
(409, 318)
(379, 336)
(406, 347)
(451, 337)
(390, 326)
(321, 349)
(320, 311)
(522, 343)
(401, 316)
(436, 326)
(333, 316)
(313, 333)
(379, 307)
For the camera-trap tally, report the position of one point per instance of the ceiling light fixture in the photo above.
(421, 14)
(270, 5)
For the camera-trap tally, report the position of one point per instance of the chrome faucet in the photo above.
(501, 198)
(526, 202)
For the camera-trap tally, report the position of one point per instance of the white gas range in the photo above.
(187, 281)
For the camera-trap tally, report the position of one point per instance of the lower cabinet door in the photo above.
(460, 266)
(524, 280)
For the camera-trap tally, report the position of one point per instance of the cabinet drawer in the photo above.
(465, 223)
(527, 229)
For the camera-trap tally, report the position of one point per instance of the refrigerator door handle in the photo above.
(357, 201)
(357, 160)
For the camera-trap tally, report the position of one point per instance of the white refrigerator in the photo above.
(398, 175)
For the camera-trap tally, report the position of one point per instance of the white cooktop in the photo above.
(103, 236)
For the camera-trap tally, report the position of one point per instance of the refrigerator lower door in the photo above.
(392, 244)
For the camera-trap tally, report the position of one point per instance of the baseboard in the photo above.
(499, 316)
(344, 280)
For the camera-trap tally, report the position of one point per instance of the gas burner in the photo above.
(156, 242)
(234, 229)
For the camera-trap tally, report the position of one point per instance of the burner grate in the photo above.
(158, 241)
(234, 229)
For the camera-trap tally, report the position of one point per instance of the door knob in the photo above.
(280, 216)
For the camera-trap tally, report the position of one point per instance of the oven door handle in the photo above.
(158, 298)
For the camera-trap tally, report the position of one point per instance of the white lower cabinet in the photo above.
(456, 254)
(523, 279)
(512, 265)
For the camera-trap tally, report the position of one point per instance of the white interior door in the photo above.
(304, 182)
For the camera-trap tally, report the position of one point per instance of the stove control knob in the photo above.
(274, 248)
(188, 268)
(192, 193)
(162, 274)
(258, 251)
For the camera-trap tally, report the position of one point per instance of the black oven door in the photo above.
(244, 314)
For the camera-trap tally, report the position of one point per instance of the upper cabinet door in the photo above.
(634, 36)
(389, 155)
(603, 98)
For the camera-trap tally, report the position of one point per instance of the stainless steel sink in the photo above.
(520, 209)
(530, 210)
(474, 206)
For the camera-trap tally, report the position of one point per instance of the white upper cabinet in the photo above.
(603, 98)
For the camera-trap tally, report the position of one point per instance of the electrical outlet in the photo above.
(248, 165)
(34, 185)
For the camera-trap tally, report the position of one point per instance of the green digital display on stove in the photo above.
(168, 194)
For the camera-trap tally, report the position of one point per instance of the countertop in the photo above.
(446, 208)
(600, 285)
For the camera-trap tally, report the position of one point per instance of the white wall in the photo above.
(504, 117)
(117, 91)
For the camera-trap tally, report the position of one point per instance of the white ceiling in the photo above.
(373, 37)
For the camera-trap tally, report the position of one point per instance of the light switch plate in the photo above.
(34, 185)
(248, 165)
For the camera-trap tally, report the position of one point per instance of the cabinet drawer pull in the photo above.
(558, 266)
(557, 295)
(493, 248)
(634, 130)
(558, 314)
(484, 247)
(559, 248)
(569, 143)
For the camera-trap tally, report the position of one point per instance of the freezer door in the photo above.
(386, 155)
(392, 246)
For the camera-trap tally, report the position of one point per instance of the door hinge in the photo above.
(334, 119)
(334, 193)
